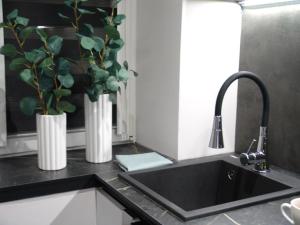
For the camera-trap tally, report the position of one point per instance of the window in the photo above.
(20, 129)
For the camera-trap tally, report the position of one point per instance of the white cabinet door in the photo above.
(110, 212)
(70, 208)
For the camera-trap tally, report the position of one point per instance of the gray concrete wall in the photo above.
(270, 47)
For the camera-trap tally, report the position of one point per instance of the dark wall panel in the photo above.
(270, 47)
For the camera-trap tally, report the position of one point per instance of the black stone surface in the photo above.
(20, 178)
(208, 186)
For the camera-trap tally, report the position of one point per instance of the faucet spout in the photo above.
(216, 140)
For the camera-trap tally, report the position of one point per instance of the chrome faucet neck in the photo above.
(262, 139)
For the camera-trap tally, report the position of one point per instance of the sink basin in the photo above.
(192, 190)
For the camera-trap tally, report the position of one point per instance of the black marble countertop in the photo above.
(20, 178)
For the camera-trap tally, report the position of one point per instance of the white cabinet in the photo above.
(90, 207)
(110, 212)
(70, 208)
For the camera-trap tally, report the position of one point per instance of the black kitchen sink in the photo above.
(192, 190)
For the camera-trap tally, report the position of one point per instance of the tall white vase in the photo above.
(98, 125)
(52, 149)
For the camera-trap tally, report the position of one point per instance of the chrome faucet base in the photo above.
(259, 157)
(261, 167)
(261, 171)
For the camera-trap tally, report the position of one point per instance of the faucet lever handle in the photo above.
(251, 145)
(251, 158)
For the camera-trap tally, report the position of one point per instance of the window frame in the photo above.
(3, 129)
(125, 129)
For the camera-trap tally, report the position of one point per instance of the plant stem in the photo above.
(40, 95)
(76, 26)
(55, 75)
(101, 56)
(17, 38)
(37, 88)
(76, 15)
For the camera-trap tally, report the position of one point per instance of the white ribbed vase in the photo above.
(98, 125)
(51, 135)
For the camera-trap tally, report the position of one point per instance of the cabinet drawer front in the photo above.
(109, 211)
(69, 208)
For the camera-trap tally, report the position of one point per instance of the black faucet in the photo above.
(260, 157)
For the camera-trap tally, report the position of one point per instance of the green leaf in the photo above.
(93, 96)
(99, 74)
(65, 106)
(69, 3)
(49, 72)
(112, 32)
(22, 21)
(46, 83)
(9, 50)
(49, 101)
(118, 19)
(66, 80)
(2, 25)
(63, 16)
(28, 77)
(99, 89)
(63, 66)
(42, 34)
(123, 75)
(115, 3)
(111, 55)
(90, 59)
(28, 105)
(35, 55)
(117, 65)
(18, 64)
(85, 11)
(94, 91)
(102, 12)
(99, 44)
(55, 44)
(87, 43)
(113, 98)
(12, 15)
(89, 27)
(79, 35)
(26, 32)
(52, 111)
(107, 64)
(47, 63)
(116, 45)
(62, 92)
(87, 30)
(112, 84)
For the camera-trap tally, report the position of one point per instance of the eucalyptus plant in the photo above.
(98, 54)
(41, 68)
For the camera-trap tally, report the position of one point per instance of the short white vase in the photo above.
(98, 125)
(51, 135)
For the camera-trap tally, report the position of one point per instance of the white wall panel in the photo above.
(210, 49)
(158, 63)
(185, 51)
